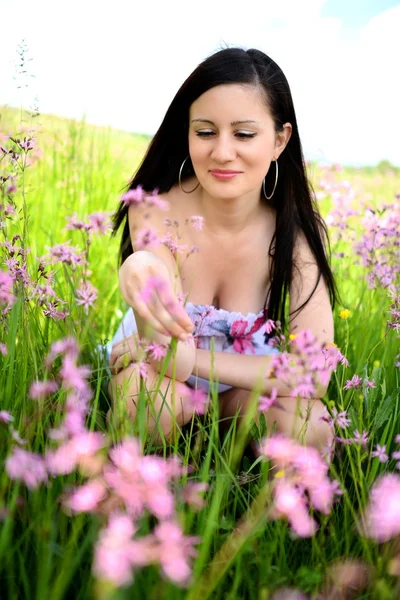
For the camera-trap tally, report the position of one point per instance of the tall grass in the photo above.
(46, 550)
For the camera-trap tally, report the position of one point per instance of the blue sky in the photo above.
(121, 63)
(355, 13)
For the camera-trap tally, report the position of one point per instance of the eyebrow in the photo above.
(233, 122)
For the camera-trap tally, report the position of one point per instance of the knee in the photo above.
(301, 420)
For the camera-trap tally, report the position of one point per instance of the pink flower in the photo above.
(397, 439)
(369, 384)
(135, 196)
(86, 296)
(6, 288)
(153, 284)
(290, 503)
(382, 516)
(380, 453)
(42, 389)
(278, 448)
(146, 238)
(265, 402)
(359, 438)
(197, 223)
(74, 376)
(304, 388)
(86, 497)
(354, 382)
(341, 419)
(157, 351)
(99, 222)
(26, 466)
(112, 555)
(197, 399)
(5, 416)
(175, 551)
(3, 349)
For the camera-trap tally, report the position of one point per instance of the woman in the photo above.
(227, 153)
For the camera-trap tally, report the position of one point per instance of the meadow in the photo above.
(91, 511)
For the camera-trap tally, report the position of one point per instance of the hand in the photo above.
(125, 352)
(146, 286)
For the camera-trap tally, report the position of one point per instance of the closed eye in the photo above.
(240, 134)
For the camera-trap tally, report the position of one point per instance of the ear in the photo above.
(281, 139)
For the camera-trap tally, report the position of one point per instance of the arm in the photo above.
(154, 319)
(246, 371)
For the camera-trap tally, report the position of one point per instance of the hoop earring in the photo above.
(180, 176)
(276, 181)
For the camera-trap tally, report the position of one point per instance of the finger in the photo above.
(172, 305)
(147, 314)
(165, 293)
(167, 320)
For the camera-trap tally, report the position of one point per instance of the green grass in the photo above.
(44, 552)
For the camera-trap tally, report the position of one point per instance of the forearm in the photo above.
(243, 371)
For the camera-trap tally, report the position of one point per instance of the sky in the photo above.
(120, 63)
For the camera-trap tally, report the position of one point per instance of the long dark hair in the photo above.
(293, 199)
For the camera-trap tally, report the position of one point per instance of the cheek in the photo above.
(197, 150)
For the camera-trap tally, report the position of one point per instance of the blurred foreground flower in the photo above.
(303, 483)
(381, 519)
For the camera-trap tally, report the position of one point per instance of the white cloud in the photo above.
(122, 62)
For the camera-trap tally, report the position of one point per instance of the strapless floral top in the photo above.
(230, 331)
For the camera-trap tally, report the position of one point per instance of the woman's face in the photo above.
(232, 140)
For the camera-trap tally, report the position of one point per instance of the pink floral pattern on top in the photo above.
(230, 331)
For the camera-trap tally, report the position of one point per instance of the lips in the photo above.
(224, 172)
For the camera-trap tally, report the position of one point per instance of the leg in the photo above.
(298, 419)
(126, 385)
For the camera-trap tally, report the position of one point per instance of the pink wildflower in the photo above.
(146, 238)
(74, 223)
(87, 295)
(174, 552)
(157, 351)
(42, 389)
(99, 222)
(3, 349)
(278, 448)
(265, 402)
(305, 387)
(27, 467)
(290, 503)
(112, 560)
(6, 288)
(198, 400)
(360, 438)
(340, 418)
(86, 497)
(397, 439)
(380, 453)
(155, 283)
(5, 416)
(369, 384)
(354, 382)
(382, 516)
(197, 223)
(135, 196)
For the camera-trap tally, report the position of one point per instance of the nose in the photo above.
(223, 149)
